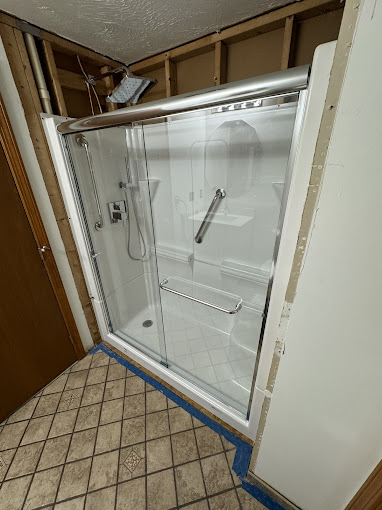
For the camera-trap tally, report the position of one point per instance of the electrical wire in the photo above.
(88, 86)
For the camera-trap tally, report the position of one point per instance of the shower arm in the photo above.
(220, 193)
(122, 69)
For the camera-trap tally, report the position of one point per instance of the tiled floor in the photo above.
(100, 438)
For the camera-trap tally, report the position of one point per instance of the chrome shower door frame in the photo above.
(245, 425)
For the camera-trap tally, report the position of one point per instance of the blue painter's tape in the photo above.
(243, 450)
(261, 496)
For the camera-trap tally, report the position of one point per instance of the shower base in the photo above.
(209, 357)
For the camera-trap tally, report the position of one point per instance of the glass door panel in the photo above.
(118, 229)
(216, 182)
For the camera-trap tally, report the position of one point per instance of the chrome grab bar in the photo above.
(220, 193)
(216, 307)
(82, 142)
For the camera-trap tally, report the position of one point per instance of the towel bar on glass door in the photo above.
(220, 193)
(216, 307)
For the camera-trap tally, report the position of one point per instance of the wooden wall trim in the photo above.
(288, 42)
(23, 75)
(369, 496)
(12, 153)
(171, 78)
(109, 87)
(220, 75)
(256, 26)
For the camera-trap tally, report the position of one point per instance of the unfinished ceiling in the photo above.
(129, 30)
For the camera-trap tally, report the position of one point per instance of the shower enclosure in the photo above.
(181, 205)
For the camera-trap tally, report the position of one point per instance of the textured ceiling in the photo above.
(129, 30)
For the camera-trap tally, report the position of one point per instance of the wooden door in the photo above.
(35, 345)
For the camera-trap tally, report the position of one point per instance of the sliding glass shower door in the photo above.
(216, 182)
(181, 217)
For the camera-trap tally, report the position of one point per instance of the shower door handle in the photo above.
(201, 301)
(220, 193)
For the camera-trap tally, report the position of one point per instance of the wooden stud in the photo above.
(23, 75)
(171, 78)
(23, 186)
(109, 84)
(54, 80)
(220, 75)
(261, 24)
(288, 43)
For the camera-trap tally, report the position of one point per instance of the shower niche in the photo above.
(181, 274)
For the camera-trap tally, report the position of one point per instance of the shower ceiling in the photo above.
(129, 30)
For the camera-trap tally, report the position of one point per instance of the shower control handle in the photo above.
(220, 193)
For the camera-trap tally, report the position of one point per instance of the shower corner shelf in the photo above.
(193, 289)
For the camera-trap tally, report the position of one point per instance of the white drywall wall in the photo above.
(17, 118)
(129, 30)
(323, 437)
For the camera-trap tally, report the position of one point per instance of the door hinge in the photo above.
(42, 250)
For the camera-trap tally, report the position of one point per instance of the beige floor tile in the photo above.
(158, 452)
(109, 437)
(82, 444)
(24, 413)
(134, 406)
(70, 399)
(56, 386)
(161, 491)
(111, 411)
(88, 417)
(47, 405)
(43, 488)
(114, 389)
(83, 364)
(197, 423)
(11, 435)
(189, 482)
(37, 430)
(248, 502)
(100, 359)
(133, 431)
(157, 425)
(63, 423)
(184, 447)
(208, 441)
(200, 505)
(116, 371)
(92, 394)
(171, 404)
(101, 500)
(216, 474)
(13, 492)
(76, 380)
(74, 479)
(6, 458)
(148, 387)
(155, 401)
(54, 452)
(230, 458)
(225, 501)
(96, 375)
(179, 420)
(104, 470)
(134, 385)
(25, 460)
(226, 444)
(132, 462)
(132, 495)
(72, 504)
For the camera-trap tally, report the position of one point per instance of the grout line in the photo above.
(200, 465)
(120, 438)
(172, 453)
(97, 429)
(71, 435)
(146, 474)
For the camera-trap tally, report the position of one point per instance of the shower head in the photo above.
(130, 89)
